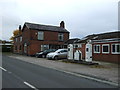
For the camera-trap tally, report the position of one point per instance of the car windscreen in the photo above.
(61, 51)
(50, 50)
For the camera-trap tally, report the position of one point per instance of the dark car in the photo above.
(44, 53)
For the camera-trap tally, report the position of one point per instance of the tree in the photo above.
(15, 33)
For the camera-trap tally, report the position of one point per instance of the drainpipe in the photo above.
(73, 50)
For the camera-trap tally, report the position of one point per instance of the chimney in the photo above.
(62, 24)
(20, 29)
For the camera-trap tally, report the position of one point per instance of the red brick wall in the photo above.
(26, 34)
(25, 38)
(18, 44)
(48, 35)
(35, 45)
(49, 38)
(109, 57)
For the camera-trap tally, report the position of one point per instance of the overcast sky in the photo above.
(81, 17)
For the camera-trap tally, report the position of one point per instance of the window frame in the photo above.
(44, 47)
(97, 48)
(20, 47)
(21, 39)
(108, 48)
(78, 46)
(25, 48)
(115, 48)
(62, 35)
(16, 39)
(39, 35)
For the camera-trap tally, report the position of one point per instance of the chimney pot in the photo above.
(62, 24)
(20, 30)
(19, 27)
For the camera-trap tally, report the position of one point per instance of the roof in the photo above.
(40, 27)
(70, 41)
(108, 35)
(5, 42)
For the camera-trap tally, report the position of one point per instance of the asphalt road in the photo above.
(20, 74)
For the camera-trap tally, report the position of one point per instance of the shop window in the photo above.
(44, 47)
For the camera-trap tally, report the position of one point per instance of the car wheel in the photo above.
(56, 57)
(43, 56)
(36, 56)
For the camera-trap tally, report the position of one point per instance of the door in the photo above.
(70, 51)
(88, 53)
(25, 48)
(63, 54)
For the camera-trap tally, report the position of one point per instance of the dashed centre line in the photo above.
(26, 83)
(3, 69)
(31, 86)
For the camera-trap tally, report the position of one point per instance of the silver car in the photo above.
(59, 54)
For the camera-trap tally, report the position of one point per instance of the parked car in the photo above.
(59, 54)
(44, 53)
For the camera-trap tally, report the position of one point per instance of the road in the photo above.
(20, 74)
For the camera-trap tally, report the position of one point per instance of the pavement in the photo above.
(105, 72)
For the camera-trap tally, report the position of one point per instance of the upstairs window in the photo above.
(105, 48)
(96, 48)
(40, 35)
(60, 37)
(115, 48)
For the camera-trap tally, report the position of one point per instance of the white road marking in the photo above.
(9, 72)
(3, 69)
(31, 86)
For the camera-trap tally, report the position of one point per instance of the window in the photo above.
(25, 48)
(105, 48)
(87, 49)
(16, 39)
(60, 36)
(77, 46)
(44, 47)
(40, 35)
(96, 48)
(20, 47)
(20, 39)
(115, 48)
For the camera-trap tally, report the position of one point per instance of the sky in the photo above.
(81, 17)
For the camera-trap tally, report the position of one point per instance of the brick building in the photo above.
(37, 37)
(101, 47)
